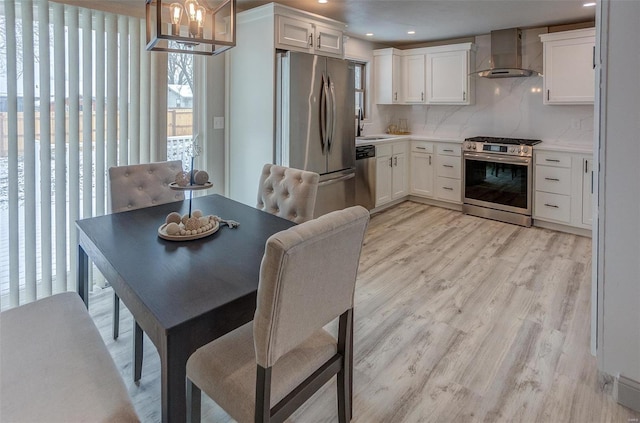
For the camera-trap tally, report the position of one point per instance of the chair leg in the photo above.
(137, 352)
(116, 315)
(345, 375)
(194, 397)
(263, 395)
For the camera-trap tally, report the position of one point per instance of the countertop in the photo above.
(580, 148)
(387, 138)
(565, 147)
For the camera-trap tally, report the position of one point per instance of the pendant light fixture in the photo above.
(205, 27)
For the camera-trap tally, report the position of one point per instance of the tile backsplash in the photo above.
(509, 107)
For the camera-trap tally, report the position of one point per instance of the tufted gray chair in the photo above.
(134, 187)
(143, 185)
(287, 192)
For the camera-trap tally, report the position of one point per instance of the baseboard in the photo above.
(562, 228)
(627, 392)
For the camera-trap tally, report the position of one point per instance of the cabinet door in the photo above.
(421, 174)
(328, 41)
(386, 70)
(569, 77)
(294, 33)
(383, 179)
(447, 77)
(414, 78)
(587, 191)
(399, 176)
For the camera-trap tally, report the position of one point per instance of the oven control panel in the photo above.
(485, 147)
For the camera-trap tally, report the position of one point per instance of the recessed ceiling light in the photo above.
(588, 4)
(369, 34)
(323, 1)
(411, 32)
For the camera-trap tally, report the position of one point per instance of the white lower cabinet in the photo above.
(391, 172)
(422, 169)
(449, 172)
(562, 181)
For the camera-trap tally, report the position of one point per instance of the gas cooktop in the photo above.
(508, 141)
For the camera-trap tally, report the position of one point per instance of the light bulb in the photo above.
(201, 14)
(175, 12)
(191, 7)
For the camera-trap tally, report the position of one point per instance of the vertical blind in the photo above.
(77, 88)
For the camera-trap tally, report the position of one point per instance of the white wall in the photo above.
(510, 107)
(619, 253)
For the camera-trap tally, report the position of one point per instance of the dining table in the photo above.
(183, 294)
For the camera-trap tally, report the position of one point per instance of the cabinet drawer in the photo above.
(422, 147)
(449, 167)
(449, 149)
(449, 189)
(384, 150)
(556, 180)
(550, 159)
(552, 206)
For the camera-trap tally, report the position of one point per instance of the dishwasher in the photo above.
(366, 176)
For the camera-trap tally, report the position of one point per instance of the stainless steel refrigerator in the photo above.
(315, 127)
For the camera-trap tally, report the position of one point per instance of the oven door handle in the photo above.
(497, 158)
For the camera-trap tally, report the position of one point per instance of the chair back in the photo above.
(287, 192)
(307, 279)
(143, 185)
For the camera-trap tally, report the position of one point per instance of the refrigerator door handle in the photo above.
(336, 180)
(334, 113)
(323, 115)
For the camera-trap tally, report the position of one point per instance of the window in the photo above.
(180, 94)
(361, 91)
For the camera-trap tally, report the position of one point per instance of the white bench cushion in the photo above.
(55, 367)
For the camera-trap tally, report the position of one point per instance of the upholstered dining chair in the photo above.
(288, 192)
(134, 187)
(264, 370)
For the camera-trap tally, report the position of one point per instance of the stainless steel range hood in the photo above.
(506, 55)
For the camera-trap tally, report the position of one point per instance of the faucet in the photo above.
(360, 127)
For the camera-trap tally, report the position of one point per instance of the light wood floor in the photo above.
(457, 318)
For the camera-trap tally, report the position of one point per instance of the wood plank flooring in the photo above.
(457, 318)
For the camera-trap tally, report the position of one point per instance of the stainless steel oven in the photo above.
(497, 179)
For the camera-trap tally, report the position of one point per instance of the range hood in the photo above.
(506, 55)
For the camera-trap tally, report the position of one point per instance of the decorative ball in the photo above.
(182, 178)
(172, 228)
(204, 220)
(184, 218)
(197, 213)
(201, 177)
(192, 224)
(173, 217)
(183, 232)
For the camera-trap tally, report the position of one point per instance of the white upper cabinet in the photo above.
(293, 33)
(569, 76)
(386, 70)
(426, 75)
(414, 78)
(448, 69)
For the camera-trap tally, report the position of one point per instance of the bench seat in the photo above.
(55, 367)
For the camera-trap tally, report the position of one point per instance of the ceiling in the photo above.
(432, 20)
(389, 20)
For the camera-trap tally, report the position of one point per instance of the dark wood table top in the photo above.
(181, 280)
(183, 294)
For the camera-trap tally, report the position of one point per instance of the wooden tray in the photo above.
(177, 187)
(162, 233)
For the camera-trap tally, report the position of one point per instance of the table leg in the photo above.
(137, 352)
(83, 276)
(173, 363)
